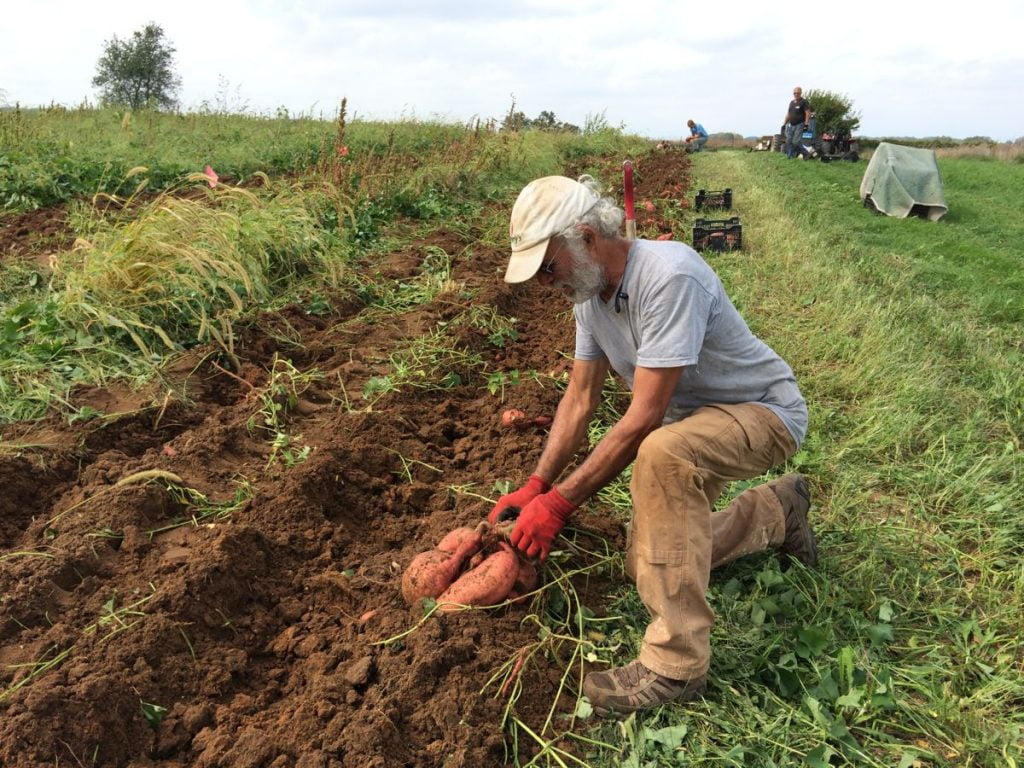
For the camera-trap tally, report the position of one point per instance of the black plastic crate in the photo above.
(718, 234)
(713, 199)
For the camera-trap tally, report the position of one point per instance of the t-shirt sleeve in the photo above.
(587, 347)
(675, 318)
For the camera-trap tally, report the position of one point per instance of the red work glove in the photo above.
(539, 523)
(511, 504)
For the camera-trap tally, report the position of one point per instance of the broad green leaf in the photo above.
(839, 731)
(819, 757)
(812, 642)
(827, 687)
(880, 634)
(736, 755)
(671, 736)
(813, 707)
(789, 682)
(851, 699)
(885, 612)
(846, 667)
(583, 709)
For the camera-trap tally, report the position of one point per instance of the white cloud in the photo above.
(647, 65)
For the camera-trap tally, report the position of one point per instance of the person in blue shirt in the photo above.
(698, 137)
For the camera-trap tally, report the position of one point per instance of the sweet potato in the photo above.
(527, 579)
(513, 417)
(430, 573)
(462, 540)
(487, 584)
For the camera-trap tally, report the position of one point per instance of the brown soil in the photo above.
(250, 629)
(35, 235)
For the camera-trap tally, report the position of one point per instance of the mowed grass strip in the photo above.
(904, 646)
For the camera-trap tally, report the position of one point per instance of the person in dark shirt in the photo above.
(798, 118)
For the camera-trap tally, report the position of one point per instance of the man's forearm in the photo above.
(568, 431)
(613, 454)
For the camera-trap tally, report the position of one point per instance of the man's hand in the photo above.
(511, 504)
(539, 523)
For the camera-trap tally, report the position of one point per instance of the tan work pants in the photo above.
(675, 539)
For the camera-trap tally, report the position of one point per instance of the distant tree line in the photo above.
(516, 120)
(931, 142)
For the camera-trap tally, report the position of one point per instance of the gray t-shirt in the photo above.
(675, 313)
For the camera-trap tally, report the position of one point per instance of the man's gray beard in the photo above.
(588, 278)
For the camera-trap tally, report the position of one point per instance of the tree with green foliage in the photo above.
(515, 120)
(138, 72)
(833, 112)
(545, 121)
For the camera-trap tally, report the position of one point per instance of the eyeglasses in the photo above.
(548, 268)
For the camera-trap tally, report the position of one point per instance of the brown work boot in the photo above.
(800, 543)
(622, 690)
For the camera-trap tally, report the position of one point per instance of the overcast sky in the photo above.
(911, 69)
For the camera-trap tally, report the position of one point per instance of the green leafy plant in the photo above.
(153, 713)
(499, 328)
(833, 112)
(499, 380)
(279, 397)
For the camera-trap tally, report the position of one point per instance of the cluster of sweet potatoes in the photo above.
(470, 566)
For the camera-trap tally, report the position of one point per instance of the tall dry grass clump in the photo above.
(185, 267)
(1006, 152)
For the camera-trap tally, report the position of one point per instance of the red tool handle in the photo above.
(627, 179)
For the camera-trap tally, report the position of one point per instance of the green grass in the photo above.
(184, 266)
(970, 260)
(54, 155)
(904, 646)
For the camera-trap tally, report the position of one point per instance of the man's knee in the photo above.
(663, 448)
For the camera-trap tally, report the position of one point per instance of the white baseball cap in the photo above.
(546, 207)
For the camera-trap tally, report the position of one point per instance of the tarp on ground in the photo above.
(904, 181)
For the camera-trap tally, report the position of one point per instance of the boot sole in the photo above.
(611, 712)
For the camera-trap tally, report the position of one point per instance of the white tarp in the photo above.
(903, 181)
